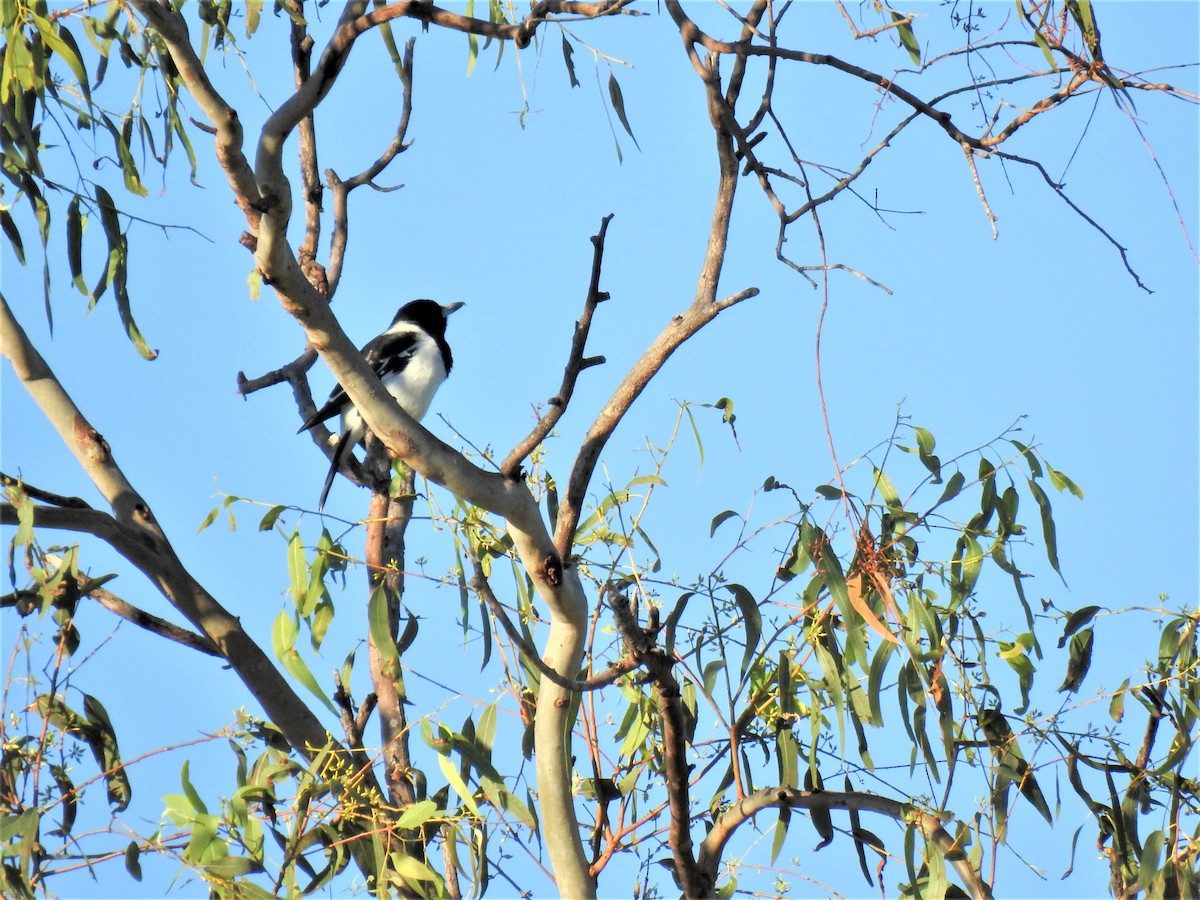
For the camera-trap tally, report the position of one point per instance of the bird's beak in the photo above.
(451, 307)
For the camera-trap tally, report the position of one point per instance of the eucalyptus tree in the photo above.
(665, 716)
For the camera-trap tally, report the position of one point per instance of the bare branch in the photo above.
(928, 824)
(987, 209)
(44, 496)
(639, 644)
(139, 617)
(387, 521)
(1062, 195)
(576, 362)
(341, 189)
(704, 308)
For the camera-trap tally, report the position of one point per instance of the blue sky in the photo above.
(1041, 322)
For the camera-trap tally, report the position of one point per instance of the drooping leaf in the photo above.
(379, 622)
(75, 245)
(1077, 620)
(718, 519)
(926, 441)
(1080, 660)
(568, 51)
(752, 621)
(1048, 531)
(618, 102)
(1062, 482)
(909, 41)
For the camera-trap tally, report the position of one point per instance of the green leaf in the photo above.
(1040, 40)
(909, 41)
(1016, 654)
(884, 485)
(283, 642)
(102, 738)
(1150, 864)
(267, 522)
(132, 864)
(1048, 532)
(209, 519)
(1061, 481)
(568, 51)
(926, 442)
(709, 675)
(63, 44)
(1079, 662)
(189, 791)
(691, 419)
(829, 492)
(1116, 707)
(379, 620)
(820, 816)
(472, 39)
(121, 136)
(253, 15)
(13, 235)
(1077, 620)
(1035, 467)
(753, 621)
(718, 519)
(230, 867)
(450, 771)
(297, 569)
(417, 814)
(953, 486)
(618, 102)
(75, 245)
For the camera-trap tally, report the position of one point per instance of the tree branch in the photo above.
(341, 189)
(575, 362)
(139, 617)
(928, 824)
(639, 644)
(134, 533)
(704, 308)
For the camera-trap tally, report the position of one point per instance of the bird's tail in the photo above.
(339, 452)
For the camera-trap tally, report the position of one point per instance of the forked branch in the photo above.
(576, 362)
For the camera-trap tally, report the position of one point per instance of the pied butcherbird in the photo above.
(411, 358)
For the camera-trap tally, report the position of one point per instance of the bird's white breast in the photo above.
(413, 387)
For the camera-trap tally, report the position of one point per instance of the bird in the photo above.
(411, 358)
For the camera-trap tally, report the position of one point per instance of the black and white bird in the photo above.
(411, 358)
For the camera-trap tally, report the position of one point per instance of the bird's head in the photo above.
(428, 314)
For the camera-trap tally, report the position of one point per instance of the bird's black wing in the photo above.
(387, 354)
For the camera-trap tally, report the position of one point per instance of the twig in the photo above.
(44, 496)
(970, 154)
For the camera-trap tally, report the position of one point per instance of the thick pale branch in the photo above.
(172, 28)
(928, 824)
(133, 531)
